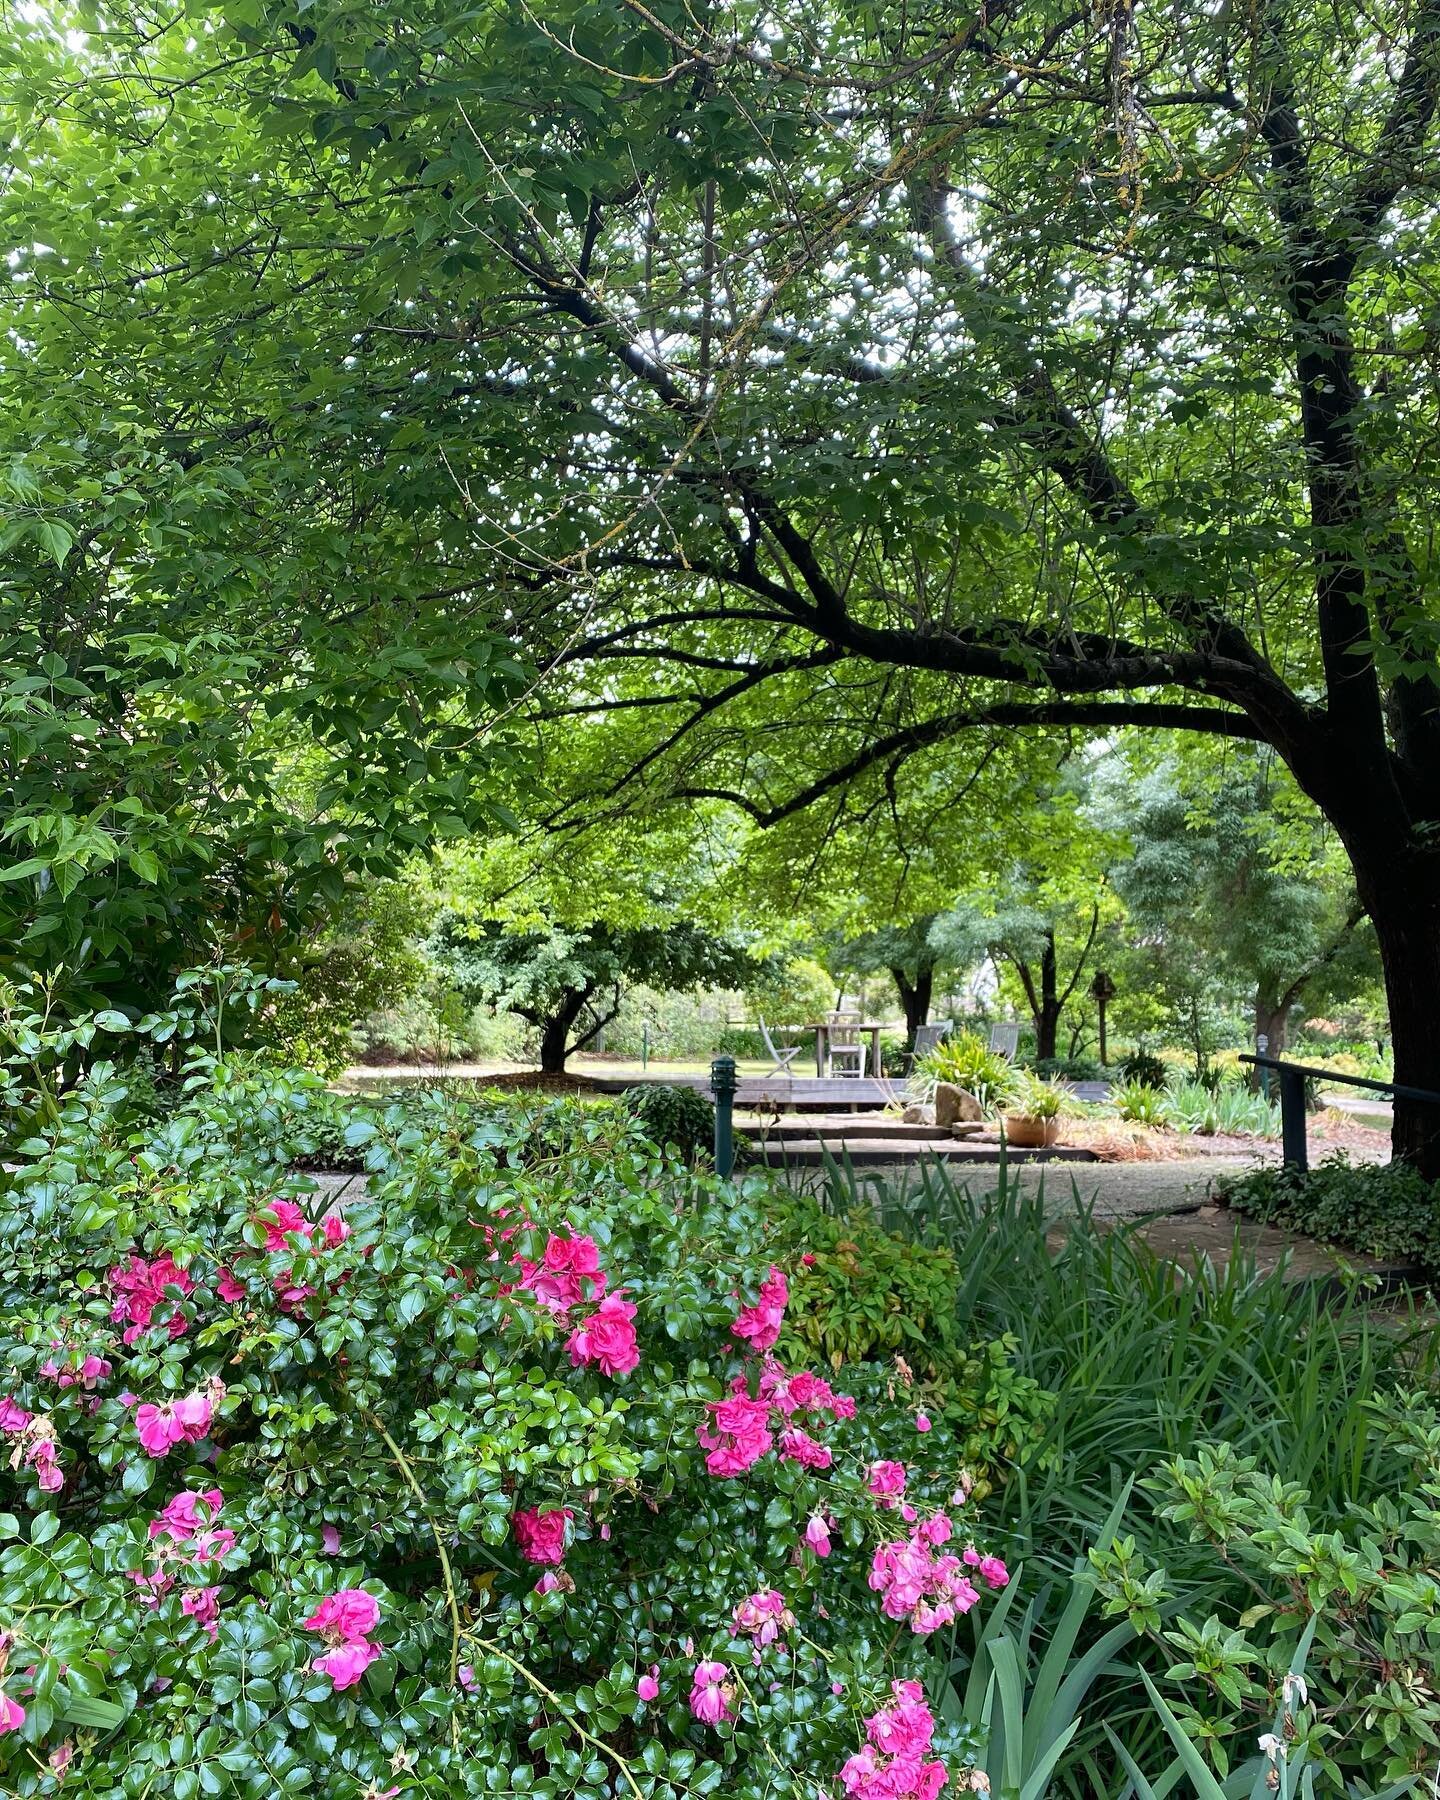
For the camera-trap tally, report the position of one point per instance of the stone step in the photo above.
(844, 1125)
(862, 1151)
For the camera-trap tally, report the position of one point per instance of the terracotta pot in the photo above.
(1025, 1133)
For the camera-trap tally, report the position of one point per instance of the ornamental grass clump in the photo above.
(486, 1475)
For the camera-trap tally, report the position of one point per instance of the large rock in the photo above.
(955, 1105)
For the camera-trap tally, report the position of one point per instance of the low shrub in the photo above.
(1145, 1363)
(490, 1480)
(1072, 1068)
(967, 1060)
(1381, 1209)
(1137, 1101)
(1146, 1069)
(1354, 1600)
(675, 1118)
(1220, 1106)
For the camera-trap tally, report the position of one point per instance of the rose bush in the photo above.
(481, 1478)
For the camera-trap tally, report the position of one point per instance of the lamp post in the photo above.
(722, 1086)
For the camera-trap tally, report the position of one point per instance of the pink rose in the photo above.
(203, 1605)
(760, 1325)
(541, 1535)
(737, 1435)
(12, 1714)
(347, 1662)
(349, 1613)
(186, 1514)
(184, 1421)
(607, 1338)
(648, 1686)
(887, 1482)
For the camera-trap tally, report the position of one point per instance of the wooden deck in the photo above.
(773, 1093)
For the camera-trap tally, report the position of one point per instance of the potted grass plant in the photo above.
(1032, 1115)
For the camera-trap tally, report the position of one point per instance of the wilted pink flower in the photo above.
(12, 1714)
(203, 1605)
(12, 1416)
(648, 1686)
(711, 1693)
(186, 1514)
(466, 1677)
(541, 1535)
(549, 1582)
(817, 1534)
(760, 1325)
(60, 1758)
(992, 1570)
(93, 1369)
(347, 1662)
(763, 1617)
(329, 1541)
(607, 1338)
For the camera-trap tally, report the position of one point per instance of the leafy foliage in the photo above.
(1383, 1209)
(374, 1401)
(676, 1118)
(1147, 1364)
(1365, 1592)
(965, 1059)
(568, 981)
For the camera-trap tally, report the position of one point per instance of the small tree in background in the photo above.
(568, 982)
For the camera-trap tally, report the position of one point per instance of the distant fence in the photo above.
(1294, 1142)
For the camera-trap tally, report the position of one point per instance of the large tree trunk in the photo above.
(555, 1031)
(1272, 1021)
(1047, 1013)
(1404, 906)
(553, 1040)
(915, 998)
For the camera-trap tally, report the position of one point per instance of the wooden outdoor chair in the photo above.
(844, 1048)
(928, 1036)
(781, 1055)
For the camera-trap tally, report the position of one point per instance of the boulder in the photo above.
(916, 1114)
(955, 1105)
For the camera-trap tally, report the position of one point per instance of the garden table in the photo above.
(822, 1032)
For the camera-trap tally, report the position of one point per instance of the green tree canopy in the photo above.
(863, 377)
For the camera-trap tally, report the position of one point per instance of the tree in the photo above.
(569, 984)
(912, 954)
(864, 372)
(1235, 883)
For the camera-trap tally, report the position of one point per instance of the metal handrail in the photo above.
(1293, 1076)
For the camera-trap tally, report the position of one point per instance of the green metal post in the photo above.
(1292, 1118)
(722, 1086)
